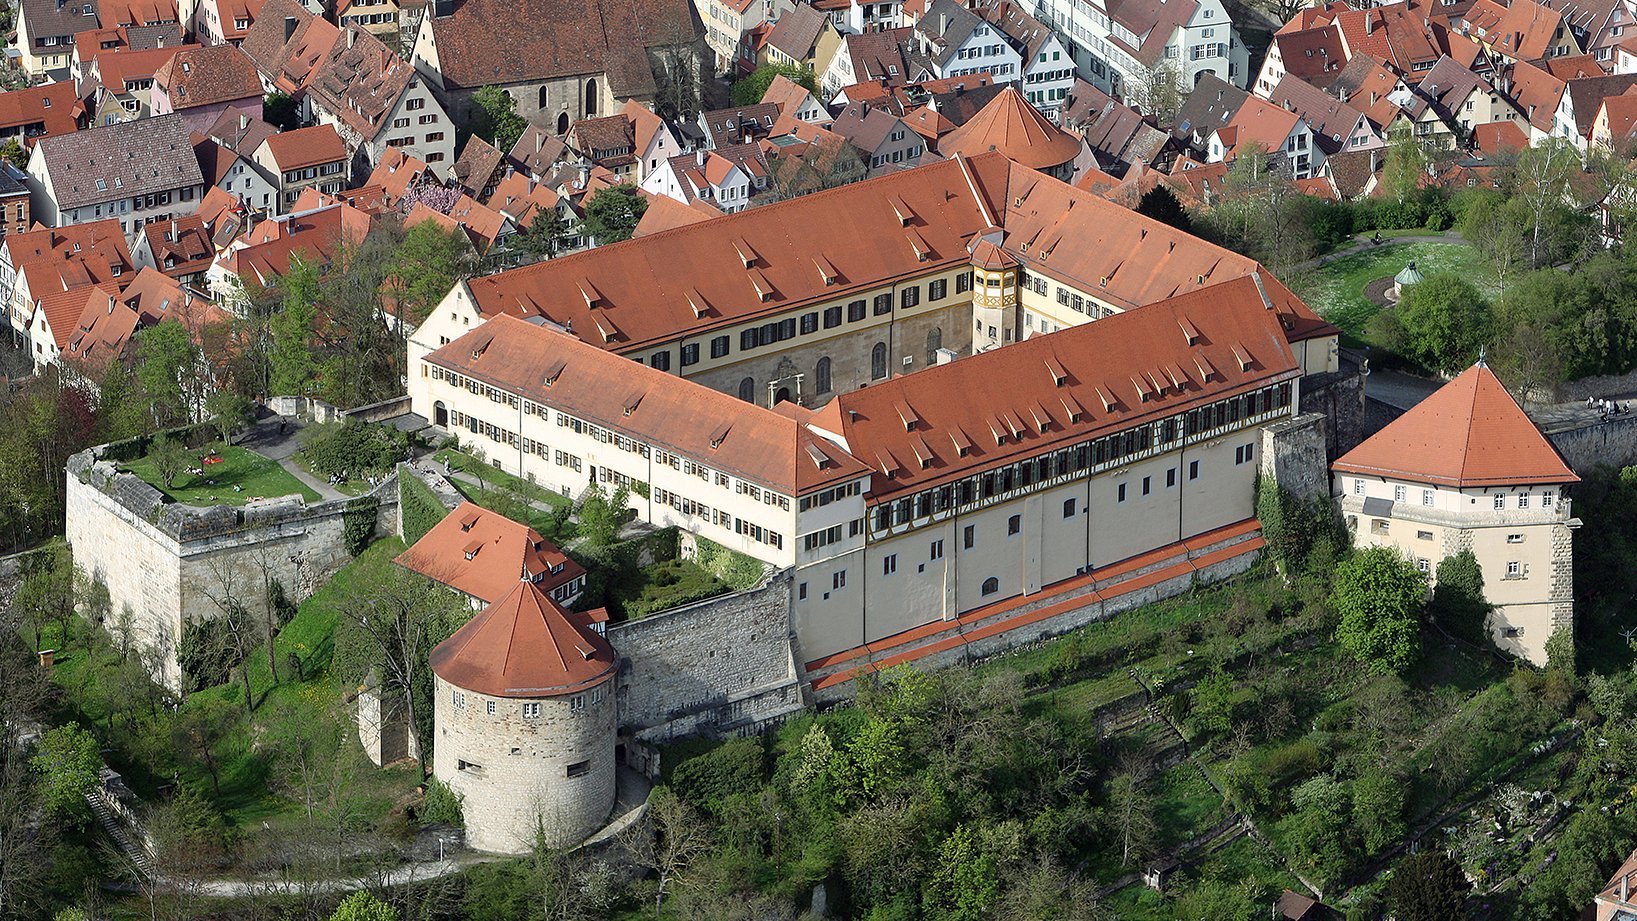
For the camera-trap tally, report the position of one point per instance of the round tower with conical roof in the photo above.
(525, 723)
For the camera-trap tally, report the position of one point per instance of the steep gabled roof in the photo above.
(550, 39)
(129, 158)
(1470, 433)
(54, 106)
(1315, 55)
(524, 645)
(797, 31)
(1332, 120)
(207, 76)
(484, 554)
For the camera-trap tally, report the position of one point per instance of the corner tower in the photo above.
(525, 723)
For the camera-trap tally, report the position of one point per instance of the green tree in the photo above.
(750, 90)
(1378, 808)
(1541, 182)
(494, 118)
(1458, 597)
(170, 458)
(427, 264)
(1405, 167)
(1161, 204)
(601, 516)
(69, 763)
(964, 884)
(12, 152)
(611, 215)
(46, 593)
(362, 906)
(281, 111)
(1446, 320)
(1379, 596)
(540, 236)
(293, 368)
(1428, 886)
(229, 412)
(168, 369)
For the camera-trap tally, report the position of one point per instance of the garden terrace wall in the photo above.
(166, 561)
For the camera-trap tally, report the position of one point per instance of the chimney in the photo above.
(699, 158)
(1369, 22)
(244, 121)
(352, 36)
(943, 23)
(289, 27)
(1625, 886)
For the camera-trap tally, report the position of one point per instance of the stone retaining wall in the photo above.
(172, 564)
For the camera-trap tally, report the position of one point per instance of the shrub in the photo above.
(420, 508)
(355, 449)
(441, 805)
(358, 523)
(708, 779)
(205, 654)
(735, 568)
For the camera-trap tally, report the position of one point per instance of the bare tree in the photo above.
(224, 585)
(399, 617)
(669, 840)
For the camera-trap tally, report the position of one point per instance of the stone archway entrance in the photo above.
(440, 414)
(786, 385)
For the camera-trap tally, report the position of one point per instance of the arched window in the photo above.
(562, 123)
(821, 376)
(934, 342)
(590, 98)
(543, 105)
(991, 585)
(878, 361)
(747, 390)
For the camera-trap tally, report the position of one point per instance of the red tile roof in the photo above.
(483, 554)
(306, 147)
(688, 280)
(558, 370)
(66, 257)
(1010, 125)
(524, 645)
(120, 68)
(949, 421)
(1498, 137)
(180, 247)
(55, 107)
(1519, 29)
(208, 76)
(1470, 433)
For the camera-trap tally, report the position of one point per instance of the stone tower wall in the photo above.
(509, 769)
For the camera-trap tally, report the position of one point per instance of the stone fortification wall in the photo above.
(510, 767)
(1597, 444)
(174, 564)
(1293, 453)
(1339, 397)
(720, 665)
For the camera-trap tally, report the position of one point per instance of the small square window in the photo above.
(1514, 570)
(1068, 508)
(1358, 485)
(1514, 538)
(1120, 493)
(1500, 500)
(1523, 500)
(1399, 493)
(1426, 497)
(1423, 535)
(578, 769)
(490, 707)
(1014, 525)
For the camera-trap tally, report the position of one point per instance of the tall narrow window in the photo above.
(934, 342)
(878, 361)
(747, 390)
(821, 375)
(590, 98)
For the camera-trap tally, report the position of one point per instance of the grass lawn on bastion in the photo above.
(256, 477)
(1336, 289)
